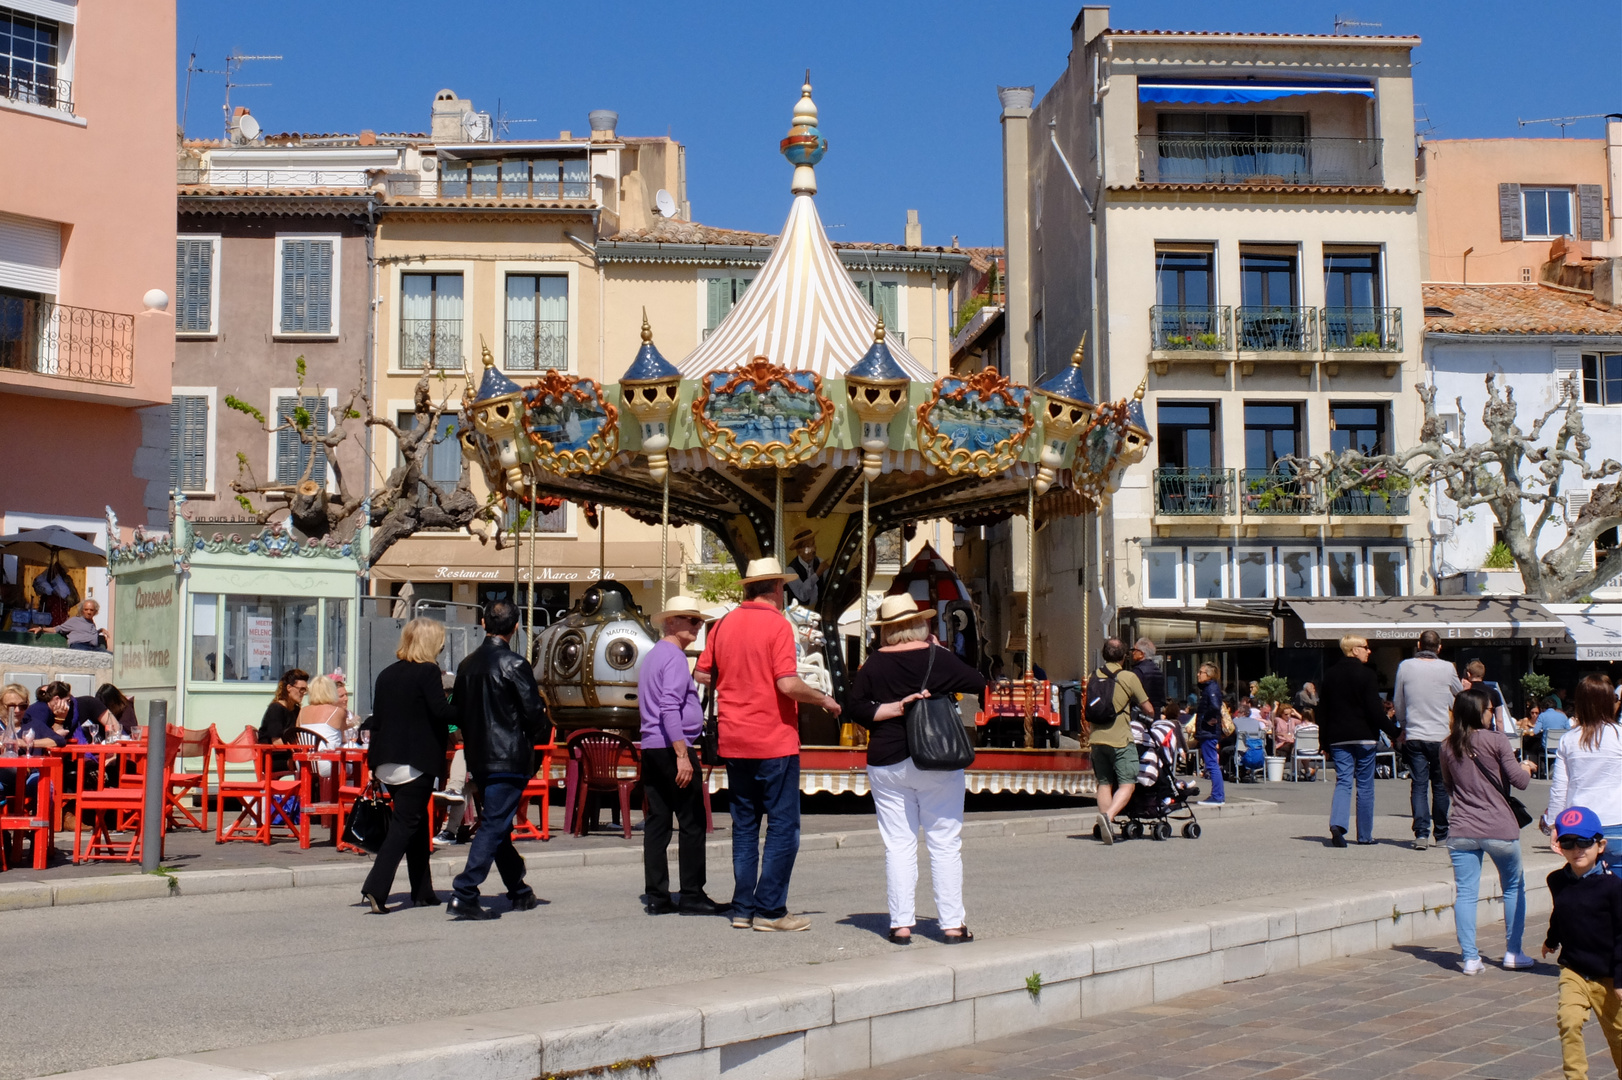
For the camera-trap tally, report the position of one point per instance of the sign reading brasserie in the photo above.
(146, 635)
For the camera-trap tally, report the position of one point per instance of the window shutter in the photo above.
(188, 433)
(1509, 212)
(317, 406)
(1575, 501)
(719, 301)
(176, 450)
(1590, 212)
(889, 305)
(292, 286)
(318, 290)
(739, 287)
(194, 282)
(287, 441)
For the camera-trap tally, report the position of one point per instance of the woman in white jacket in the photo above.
(1588, 765)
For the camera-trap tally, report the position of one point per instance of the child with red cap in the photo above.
(1586, 926)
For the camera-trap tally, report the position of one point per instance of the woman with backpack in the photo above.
(1208, 730)
(1478, 766)
(1588, 765)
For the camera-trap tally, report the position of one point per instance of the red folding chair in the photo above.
(538, 787)
(191, 743)
(266, 802)
(31, 806)
(123, 802)
(597, 756)
(352, 782)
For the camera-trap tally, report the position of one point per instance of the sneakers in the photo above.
(1514, 961)
(1421, 843)
(785, 924)
(1472, 967)
(742, 922)
(1106, 830)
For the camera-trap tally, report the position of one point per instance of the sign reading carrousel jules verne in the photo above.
(146, 627)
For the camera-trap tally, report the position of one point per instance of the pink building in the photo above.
(87, 212)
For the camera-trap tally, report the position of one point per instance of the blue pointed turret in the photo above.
(1068, 382)
(495, 384)
(649, 364)
(1134, 415)
(877, 365)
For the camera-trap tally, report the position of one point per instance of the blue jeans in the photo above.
(1506, 855)
(493, 842)
(1425, 763)
(1209, 749)
(770, 788)
(1350, 758)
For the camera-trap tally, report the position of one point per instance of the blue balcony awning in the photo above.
(1242, 91)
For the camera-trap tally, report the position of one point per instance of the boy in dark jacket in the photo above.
(1586, 926)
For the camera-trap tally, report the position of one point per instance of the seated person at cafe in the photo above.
(120, 709)
(61, 717)
(81, 630)
(1544, 733)
(323, 714)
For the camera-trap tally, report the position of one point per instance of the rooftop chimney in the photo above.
(447, 117)
(603, 122)
(914, 232)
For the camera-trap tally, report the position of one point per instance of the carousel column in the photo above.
(529, 607)
(777, 523)
(664, 545)
(1030, 622)
(861, 599)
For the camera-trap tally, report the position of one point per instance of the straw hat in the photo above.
(900, 608)
(680, 605)
(763, 570)
(801, 537)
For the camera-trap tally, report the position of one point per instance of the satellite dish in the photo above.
(666, 204)
(476, 126)
(247, 127)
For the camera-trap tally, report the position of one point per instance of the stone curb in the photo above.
(130, 885)
(823, 1020)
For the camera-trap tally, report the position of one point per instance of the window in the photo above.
(431, 321)
(1187, 435)
(189, 428)
(1546, 213)
(720, 295)
(1297, 572)
(254, 638)
(1351, 279)
(1207, 573)
(1340, 566)
(1267, 278)
(196, 278)
(292, 452)
(1357, 427)
(884, 298)
(1602, 379)
(537, 322)
(1268, 315)
(335, 647)
(30, 55)
(1387, 572)
(1213, 147)
(1162, 567)
(517, 178)
(1272, 432)
(1253, 570)
(1185, 290)
(554, 520)
(443, 465)
(306, 287)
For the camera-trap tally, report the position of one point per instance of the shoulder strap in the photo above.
(1500, 784)
(928, 668)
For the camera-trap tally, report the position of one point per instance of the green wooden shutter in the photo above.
(889, 305)
(719, 297)
(188, 442)
(318, 288)
(739, 287)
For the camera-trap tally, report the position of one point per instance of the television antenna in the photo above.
(233, 65)
(1562, 122)
(503, 121)
(1344, 21)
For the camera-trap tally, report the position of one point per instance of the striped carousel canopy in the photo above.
(803, 311)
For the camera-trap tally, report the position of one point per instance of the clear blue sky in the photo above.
(907, 90)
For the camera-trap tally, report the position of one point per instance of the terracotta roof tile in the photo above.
(1514, 308)
(1341, 38)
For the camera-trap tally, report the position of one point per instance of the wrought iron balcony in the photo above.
(1275, 329)
(66, 342)
(1208, 329)
(1370, 504)
(537, 345)
(50, 93)
(431, 343)
(1238, 159)
(1193, 492)
(1372, 329)
(1270, 492)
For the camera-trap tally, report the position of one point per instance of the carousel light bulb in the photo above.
(650, 387)
(1065, 405)
(496, 412)
(877, 389)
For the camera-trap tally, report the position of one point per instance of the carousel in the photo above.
(796, 425)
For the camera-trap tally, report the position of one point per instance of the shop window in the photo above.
(1297, 572)
(335, 646)
(1387, 570)
(1340, 571)
(1161, 568)
(1253, 567)
(1207, 573)
(253, 638)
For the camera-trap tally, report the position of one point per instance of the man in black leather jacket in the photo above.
(502, 718)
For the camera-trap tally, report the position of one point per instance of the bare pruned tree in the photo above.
(407, 500)
(1517, 475)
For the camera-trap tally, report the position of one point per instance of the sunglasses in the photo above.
(1576, 843)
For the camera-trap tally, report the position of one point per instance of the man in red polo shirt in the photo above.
(749, 660)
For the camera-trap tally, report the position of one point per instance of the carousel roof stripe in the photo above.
(802, 312)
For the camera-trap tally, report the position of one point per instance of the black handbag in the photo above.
(1523, 816)
(936, 740)
(368, 820)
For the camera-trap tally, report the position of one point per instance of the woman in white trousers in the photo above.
(905, 796)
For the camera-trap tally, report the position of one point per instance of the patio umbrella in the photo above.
(39, 545)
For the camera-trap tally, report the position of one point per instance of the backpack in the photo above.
(1099, 706)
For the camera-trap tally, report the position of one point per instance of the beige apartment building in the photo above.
(1231, 219)
(87, 206)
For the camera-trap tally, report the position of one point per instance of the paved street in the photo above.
(1403, 1012)
(251, 967)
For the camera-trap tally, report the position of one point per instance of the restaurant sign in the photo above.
(1599, 652)
(146, 635)
(542, 573)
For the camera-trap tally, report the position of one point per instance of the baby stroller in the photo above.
(1159, 797)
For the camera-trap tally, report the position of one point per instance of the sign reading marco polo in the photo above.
(146, 621)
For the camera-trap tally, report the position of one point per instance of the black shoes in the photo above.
(665, 906)
(378, 904)
(524, 901)
(1337, 836)
(474, 912)
(427, 899)
(898, 938)
(702, 905)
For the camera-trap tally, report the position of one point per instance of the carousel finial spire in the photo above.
(647, 330)
(878, 331)
(484, 349)
(1079, 355)
(804, 144)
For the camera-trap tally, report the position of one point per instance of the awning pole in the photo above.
(1030, 608)
(664, 545)
(861, 644)
(777, 539)
(529, 610)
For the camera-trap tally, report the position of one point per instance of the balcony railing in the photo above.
(50, 93)
(1203, 328)
(1271, 492)
(1372, 329)
(430, 343)
(1223, 159)
(271, 179)
(1370, 504)
(1194, 492)
(66, 342)
(537, 345)
(1275, 329)
(460, 187)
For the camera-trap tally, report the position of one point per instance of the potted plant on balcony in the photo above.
(1379, 492)
(1209, 341)
(1366, 339)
